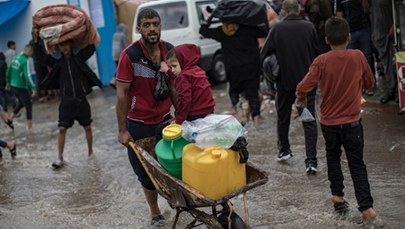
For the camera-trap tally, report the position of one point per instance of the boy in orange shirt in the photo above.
(343, 74)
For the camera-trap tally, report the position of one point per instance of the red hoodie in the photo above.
(194, 95)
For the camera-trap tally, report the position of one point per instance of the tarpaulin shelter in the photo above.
(11, 8)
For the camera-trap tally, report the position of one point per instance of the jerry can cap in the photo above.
(172, 132)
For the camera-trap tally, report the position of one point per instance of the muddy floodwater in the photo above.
(102, 191)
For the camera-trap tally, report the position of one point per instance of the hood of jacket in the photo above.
(187, 55)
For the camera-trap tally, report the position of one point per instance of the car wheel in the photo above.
(218, 71)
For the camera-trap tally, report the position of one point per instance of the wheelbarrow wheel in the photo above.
(236, 221)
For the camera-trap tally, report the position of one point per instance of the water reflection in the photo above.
(102, 192)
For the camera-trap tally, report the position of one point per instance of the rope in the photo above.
(230, 213)
(246, 210)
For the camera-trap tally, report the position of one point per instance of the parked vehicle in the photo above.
(181, 20)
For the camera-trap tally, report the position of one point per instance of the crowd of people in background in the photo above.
(371, 29)
(296, 38)
(17, 92)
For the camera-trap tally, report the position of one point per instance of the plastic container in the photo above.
(213, 130)
(169, 149)
(214, 171)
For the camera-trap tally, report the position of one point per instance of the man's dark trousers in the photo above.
(351, 137)
(284, 102)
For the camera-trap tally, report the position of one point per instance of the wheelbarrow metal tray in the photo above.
(180, 194)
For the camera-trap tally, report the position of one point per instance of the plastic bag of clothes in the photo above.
(213, 130)
(58, 23)
(245, 12)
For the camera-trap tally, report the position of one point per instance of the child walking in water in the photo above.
(343, 75)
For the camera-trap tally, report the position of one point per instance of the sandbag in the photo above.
(245, 12)
(58, 23)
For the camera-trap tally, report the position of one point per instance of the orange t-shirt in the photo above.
(342, 74)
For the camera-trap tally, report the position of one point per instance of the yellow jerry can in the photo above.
(214, 171)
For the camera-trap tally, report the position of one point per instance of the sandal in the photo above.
(58, 164)
(13, 151)
(9, 123)
(341, 207)
(157, 220)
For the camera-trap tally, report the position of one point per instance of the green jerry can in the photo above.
(169, 150)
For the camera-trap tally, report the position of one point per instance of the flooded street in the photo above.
(102, 191)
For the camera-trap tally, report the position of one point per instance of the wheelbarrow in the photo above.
(184, 198)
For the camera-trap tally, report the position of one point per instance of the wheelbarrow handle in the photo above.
(131, 144)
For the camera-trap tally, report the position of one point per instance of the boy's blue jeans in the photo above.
(350, 136)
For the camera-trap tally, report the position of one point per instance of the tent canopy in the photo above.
(10, 8)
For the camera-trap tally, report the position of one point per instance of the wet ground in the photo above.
(102, 191)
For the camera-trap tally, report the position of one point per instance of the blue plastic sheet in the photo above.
(11, 8)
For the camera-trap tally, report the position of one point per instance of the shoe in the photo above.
(1, 155)
(387, 98)
(157, 220)
(369, 92)
(340, 204)
(57, 164)
(284, 155)
(311, 168)
(9, 123)
(13, 151)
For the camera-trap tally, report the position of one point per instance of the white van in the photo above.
(181, 20)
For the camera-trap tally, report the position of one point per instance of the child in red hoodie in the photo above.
(193, 95)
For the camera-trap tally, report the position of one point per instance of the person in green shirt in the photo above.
(18, 80)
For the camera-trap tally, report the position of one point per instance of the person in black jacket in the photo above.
(241, 51)
(295, 43)
(318, 11)
(74, 78)
(5, 95)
